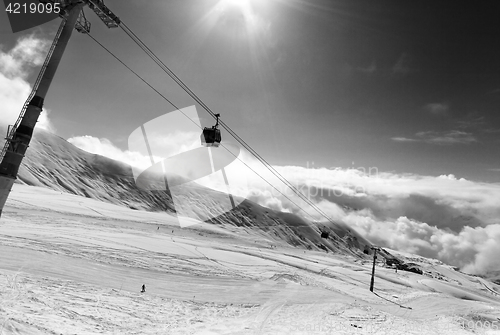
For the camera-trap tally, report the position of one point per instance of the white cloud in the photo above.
(105, 147)
(168, 144)
(440, 138)
(372, 68)
(26, 54)
(403, 139)
(445, 138)
(475, 250)
(443, 217)
(438, 109)
(15, 66)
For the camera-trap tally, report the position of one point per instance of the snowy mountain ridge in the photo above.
(56, 164)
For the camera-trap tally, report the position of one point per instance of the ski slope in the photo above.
(74, 265)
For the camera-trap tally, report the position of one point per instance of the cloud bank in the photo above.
(437, 108)
(169, 144)
(447, 218)
(440, 138)
(105, 147)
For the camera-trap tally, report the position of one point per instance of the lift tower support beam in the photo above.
(19, 136)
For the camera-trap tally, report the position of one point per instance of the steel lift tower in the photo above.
(19, 135)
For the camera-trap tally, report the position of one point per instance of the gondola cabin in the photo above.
(211, 136)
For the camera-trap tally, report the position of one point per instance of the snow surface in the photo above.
(74, 265)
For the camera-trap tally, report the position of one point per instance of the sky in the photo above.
(404, 86)
(406, 91)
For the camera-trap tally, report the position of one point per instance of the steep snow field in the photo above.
(55, 164)
(74, 265)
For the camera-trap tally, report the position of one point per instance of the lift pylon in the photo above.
(19, 135)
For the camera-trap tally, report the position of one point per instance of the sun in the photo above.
(241, 11)
(241, 4)
(235, 20)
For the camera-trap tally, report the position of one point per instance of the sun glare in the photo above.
(242, 4)
(242, 9)
(235, 21)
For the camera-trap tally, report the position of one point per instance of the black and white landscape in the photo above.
(360, 126)
(79, 240)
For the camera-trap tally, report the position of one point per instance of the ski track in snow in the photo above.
(72, 265)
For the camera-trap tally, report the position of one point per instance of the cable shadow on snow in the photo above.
(393, 302)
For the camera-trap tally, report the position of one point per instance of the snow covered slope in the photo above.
(54, 163)
(75, 265)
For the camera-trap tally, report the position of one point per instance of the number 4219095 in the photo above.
(33, 8)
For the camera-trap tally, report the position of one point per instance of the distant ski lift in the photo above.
(211, 136)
